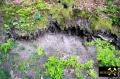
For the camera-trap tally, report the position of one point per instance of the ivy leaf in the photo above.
(40, 51)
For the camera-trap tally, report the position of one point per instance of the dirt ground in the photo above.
(57, 45)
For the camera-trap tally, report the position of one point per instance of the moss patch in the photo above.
(101, 23)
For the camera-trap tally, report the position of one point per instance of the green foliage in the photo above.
(24, 12)
(101, 23)
(55, 67)
(93, 73)
(92, 43)
(4, 74)
(22, 67)
(41, 6)
(5, 48)
(61, 14)
(24, 17)
(81, 70)
(79, 74)
(113, 10)
(69, 3)
(106, 53)
(97, 22)
(82, 13)
(71, 62)
(34, 15)
(40, 51)
(38, 74)
(2, 2)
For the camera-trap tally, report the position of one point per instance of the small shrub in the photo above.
(5, 48)
(60, 13)
(54, 68)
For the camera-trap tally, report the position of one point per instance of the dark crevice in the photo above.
(54, 27)
(65, 6)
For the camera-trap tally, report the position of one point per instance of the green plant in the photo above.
(82, 13)
(26, 19)
(5, 48)
(55, 67)
(71, 62)
(22, 66)
(92, 43)
(4, 74)
(79, 74)
(113, 10)
(106, 53)
(101, 23)
(61, 13)
(93, 73)
(68, 3)
(81, 70)
(38, 74)
(40, 51)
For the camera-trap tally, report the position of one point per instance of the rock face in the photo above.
(53, 26)
(117, 42)
(78, 26)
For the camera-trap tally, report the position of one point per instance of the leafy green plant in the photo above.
(71, 62)
(40, 51)
(26, 17)
(55, 67)
(60, 13)
(101, 23)
(92, 43)
(106, 53)
(93, 73)
(81, 70)
(113, 10)
(79, 74)
(82, 13)
(5, 48)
